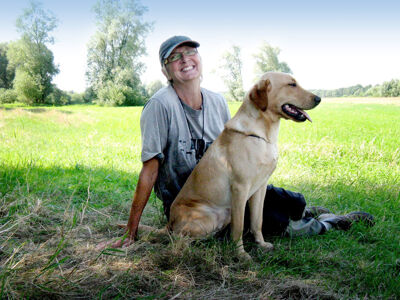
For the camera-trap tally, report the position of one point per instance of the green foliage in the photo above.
(7, 95)
(33, 61)
(112, 94)
(116, 47)
(357, 90)
(153, 87)
(35, 24)
(7, 71)
(89, 95)
(391, 88)
(58, 97)
(387, 89)
(231, 69)
(28, 87)
(122, 91)
(267, 61)
(375, 91)
(77, 98)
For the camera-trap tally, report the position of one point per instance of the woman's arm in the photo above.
(147, 179)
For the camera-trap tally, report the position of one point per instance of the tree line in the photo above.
(113, 58)
(387, 89)
(267, 60)
(114, 67)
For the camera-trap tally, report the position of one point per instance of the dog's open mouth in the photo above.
(295, 113)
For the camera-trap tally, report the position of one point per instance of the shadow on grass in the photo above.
(40, 108)
(7, 108)
(43, 110)
(107, 185)
(52, 219)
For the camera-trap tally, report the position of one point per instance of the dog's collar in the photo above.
(251, 135)
(256, 136)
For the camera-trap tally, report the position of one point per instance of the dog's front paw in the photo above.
(266, 246)
(243, 255)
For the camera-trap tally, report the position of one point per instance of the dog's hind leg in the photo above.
(197, 220)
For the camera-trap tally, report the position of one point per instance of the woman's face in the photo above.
(185, 69)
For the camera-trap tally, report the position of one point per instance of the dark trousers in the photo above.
(280, 206)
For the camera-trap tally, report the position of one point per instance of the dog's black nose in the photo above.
(317, 100)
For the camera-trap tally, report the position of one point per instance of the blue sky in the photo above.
(327, 44)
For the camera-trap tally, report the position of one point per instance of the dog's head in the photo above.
(280, 94)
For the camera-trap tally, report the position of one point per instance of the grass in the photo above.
(67, 175)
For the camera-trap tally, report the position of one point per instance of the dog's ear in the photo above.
(259, 94)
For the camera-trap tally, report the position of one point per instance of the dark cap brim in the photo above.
(189, 43)
(171, 48)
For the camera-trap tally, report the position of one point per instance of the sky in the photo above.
(327, 44)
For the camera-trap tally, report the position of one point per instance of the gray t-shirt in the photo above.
(165, 135)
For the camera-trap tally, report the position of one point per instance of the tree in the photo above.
(267, 60)
(7, 72)
(153, 87)
(232, 73)
(33, 61)
(391, 88)
(115, 49)
(35, 24)
(34, 70)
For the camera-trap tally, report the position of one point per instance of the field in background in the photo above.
(364, 100)
(67, 175)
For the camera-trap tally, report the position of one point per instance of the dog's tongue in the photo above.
(305, 114)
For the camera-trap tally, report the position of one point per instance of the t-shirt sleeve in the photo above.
(154, 130)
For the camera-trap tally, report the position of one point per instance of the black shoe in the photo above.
(345, 222)
(360, 216)
(315, 211)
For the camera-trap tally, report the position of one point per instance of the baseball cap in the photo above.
(170, 44)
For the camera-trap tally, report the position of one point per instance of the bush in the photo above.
(89, 95)
(76, 98)
(27, 87)
(58, 97)
(375, 91)
(119, 94)
(7, 96)
(391, 88)
(123, 90)
(111, 95)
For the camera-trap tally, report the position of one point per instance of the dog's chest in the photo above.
(254, 159)
(267, 157)
(268, 160)
(271, 157)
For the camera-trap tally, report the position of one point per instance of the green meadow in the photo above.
(67, 176)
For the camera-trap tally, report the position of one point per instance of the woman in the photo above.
(178, 124)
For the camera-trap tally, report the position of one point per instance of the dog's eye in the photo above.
(293, 84)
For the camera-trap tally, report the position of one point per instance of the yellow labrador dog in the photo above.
(236, 167)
